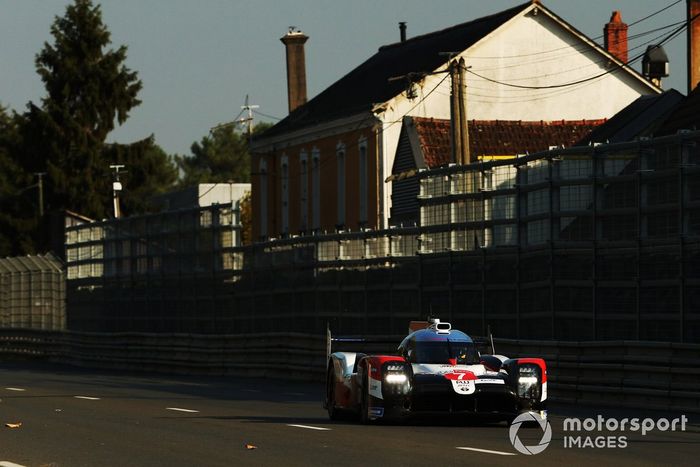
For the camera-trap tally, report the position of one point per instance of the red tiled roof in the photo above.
(499, 137)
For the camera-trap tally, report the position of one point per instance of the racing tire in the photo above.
(364, 401)
(333, 411)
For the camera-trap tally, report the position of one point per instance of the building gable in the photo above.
(369, 83)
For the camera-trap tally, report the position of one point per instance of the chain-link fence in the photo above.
(599, 242)
(32, 293)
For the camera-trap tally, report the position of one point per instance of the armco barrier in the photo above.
(649, 375)
(297, 356)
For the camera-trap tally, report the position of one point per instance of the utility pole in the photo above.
(455, 115)
(458, 112)
(40, 185)
(464, 123)
(249, 120)
(116, 188)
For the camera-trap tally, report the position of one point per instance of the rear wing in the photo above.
(485, 344)
(379, 344)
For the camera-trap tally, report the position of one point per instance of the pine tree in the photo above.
(149, 171)
(220, 157)
(17, 212)
(88, 89)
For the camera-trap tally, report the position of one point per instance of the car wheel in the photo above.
(333, 412)
(364, 401)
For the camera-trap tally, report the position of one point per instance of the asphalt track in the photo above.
(74, 417)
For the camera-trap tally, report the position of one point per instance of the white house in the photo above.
(524, 63)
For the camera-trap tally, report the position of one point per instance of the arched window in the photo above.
(315, 189)
(262, 169)
(303, 191)
(284, 165)
(340, 161)
(363, 176)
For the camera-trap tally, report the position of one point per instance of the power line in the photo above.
(496, 57)
(210, 189)
(266, 115)
(616, 68)
(593, 63)
(576, 50)
(322, 162)
(236, 121)
(655, 13)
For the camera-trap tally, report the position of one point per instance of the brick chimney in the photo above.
(294, 42)
(615, 33)
(693, 44)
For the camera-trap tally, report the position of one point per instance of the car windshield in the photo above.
(441, 352)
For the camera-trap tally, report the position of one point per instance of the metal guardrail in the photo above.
(647, 375)
(297, 356)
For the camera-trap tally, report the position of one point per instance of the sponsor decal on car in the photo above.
(489, 381)
(462, 386)
(375, 388)
(459, 374)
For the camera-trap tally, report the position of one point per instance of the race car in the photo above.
(436, 370)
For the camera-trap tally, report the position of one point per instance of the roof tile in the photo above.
(499, 137)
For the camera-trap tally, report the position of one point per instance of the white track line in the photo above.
(9, 464)
(15, 389)
(310, 427)
(488, 451)
(177, 409)
(87, 398)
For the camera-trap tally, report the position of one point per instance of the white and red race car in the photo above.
(437, 370)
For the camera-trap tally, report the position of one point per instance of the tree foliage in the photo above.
(17, 212)
(222, 156)
(88, 89)
(246, 208)
(149, 171)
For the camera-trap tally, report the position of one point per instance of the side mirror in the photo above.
(491, 363)
(410, 356)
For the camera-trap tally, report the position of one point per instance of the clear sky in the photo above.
(199, 59)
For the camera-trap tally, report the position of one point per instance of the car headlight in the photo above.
(397, 378)
(529, 381)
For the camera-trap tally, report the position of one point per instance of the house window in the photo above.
(340, 161)
(262, 169)
(303, 191)
(285, 194)
(315, 189)
(363, 180)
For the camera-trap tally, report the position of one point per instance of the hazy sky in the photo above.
(199, 59)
